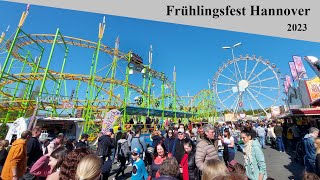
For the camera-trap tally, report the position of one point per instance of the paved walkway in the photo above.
(280, 166)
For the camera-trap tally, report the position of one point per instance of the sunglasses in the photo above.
(134, 154)
(180, 133)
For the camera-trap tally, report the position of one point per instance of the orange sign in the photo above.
(313, 87)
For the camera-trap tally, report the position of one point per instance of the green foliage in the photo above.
(3, 130)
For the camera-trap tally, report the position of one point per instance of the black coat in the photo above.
(105, 144)
(81, 144)
(34, 151)
(156, 140)
(192, 167)
(179, 149)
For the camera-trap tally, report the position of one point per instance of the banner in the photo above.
(275, 111)
(109, 119)
(286, 87)
(313, 87)
(288, 80)
(301, 71)
(293, 71)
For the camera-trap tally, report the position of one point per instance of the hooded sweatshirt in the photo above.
(309, 147)
(17, 157)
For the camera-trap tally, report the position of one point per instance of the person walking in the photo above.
(254, 161)
(16, 162)
(139, 171)
(83, 142)
(188, 167)
(178, 150)
(122, 152)
(138, 142)
(160, 154)
(308, 142)
(34, 151)
(206, 148)
(261, 132)
(228, 140)
(317, 160)
(57, 142)
(278, 130)
(271, 135)
(3, 154)
(169, 141)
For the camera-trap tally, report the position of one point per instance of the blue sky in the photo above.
(196, 52)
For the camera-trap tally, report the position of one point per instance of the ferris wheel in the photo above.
(247, 84)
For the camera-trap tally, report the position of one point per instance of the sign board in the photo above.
(230, 117)
(313, 88)
(275, 111)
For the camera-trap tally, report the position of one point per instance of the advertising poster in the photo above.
(313, 87)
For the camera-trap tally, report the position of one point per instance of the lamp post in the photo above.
(235, 74)
(314, 62)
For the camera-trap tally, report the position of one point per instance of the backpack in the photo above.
(139, 142)
(122, 151)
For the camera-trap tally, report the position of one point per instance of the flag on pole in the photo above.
(28, 7)
(288, 79)
(174, 74)
(293, 71)
(301, 71)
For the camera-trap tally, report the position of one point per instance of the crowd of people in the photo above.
(179, 152)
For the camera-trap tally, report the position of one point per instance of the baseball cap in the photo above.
(136, 151)
(110, 130)
(180, 130)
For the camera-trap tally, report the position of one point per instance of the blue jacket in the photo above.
(138, 142)
(139, 171)
(308, 141)
(168, 143)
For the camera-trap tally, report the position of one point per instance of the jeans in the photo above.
(309, 164)
(280, 144)
(262, 141)
(122, 167)
(231, 153)
(112, 154)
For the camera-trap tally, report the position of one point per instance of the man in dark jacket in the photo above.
(34, 151)
(308, 142)
(178, 148)
(83, 141)
(278, 130)
(105, 144)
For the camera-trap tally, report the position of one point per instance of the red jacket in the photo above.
(184, 166)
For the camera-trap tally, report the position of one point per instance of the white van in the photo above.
(51, 126)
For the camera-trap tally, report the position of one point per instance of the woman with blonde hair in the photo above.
(89, 168)
(317, 164)
(213, 168)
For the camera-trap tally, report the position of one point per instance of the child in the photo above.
(139, 171)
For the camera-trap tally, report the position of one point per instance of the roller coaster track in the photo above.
(26, 40)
